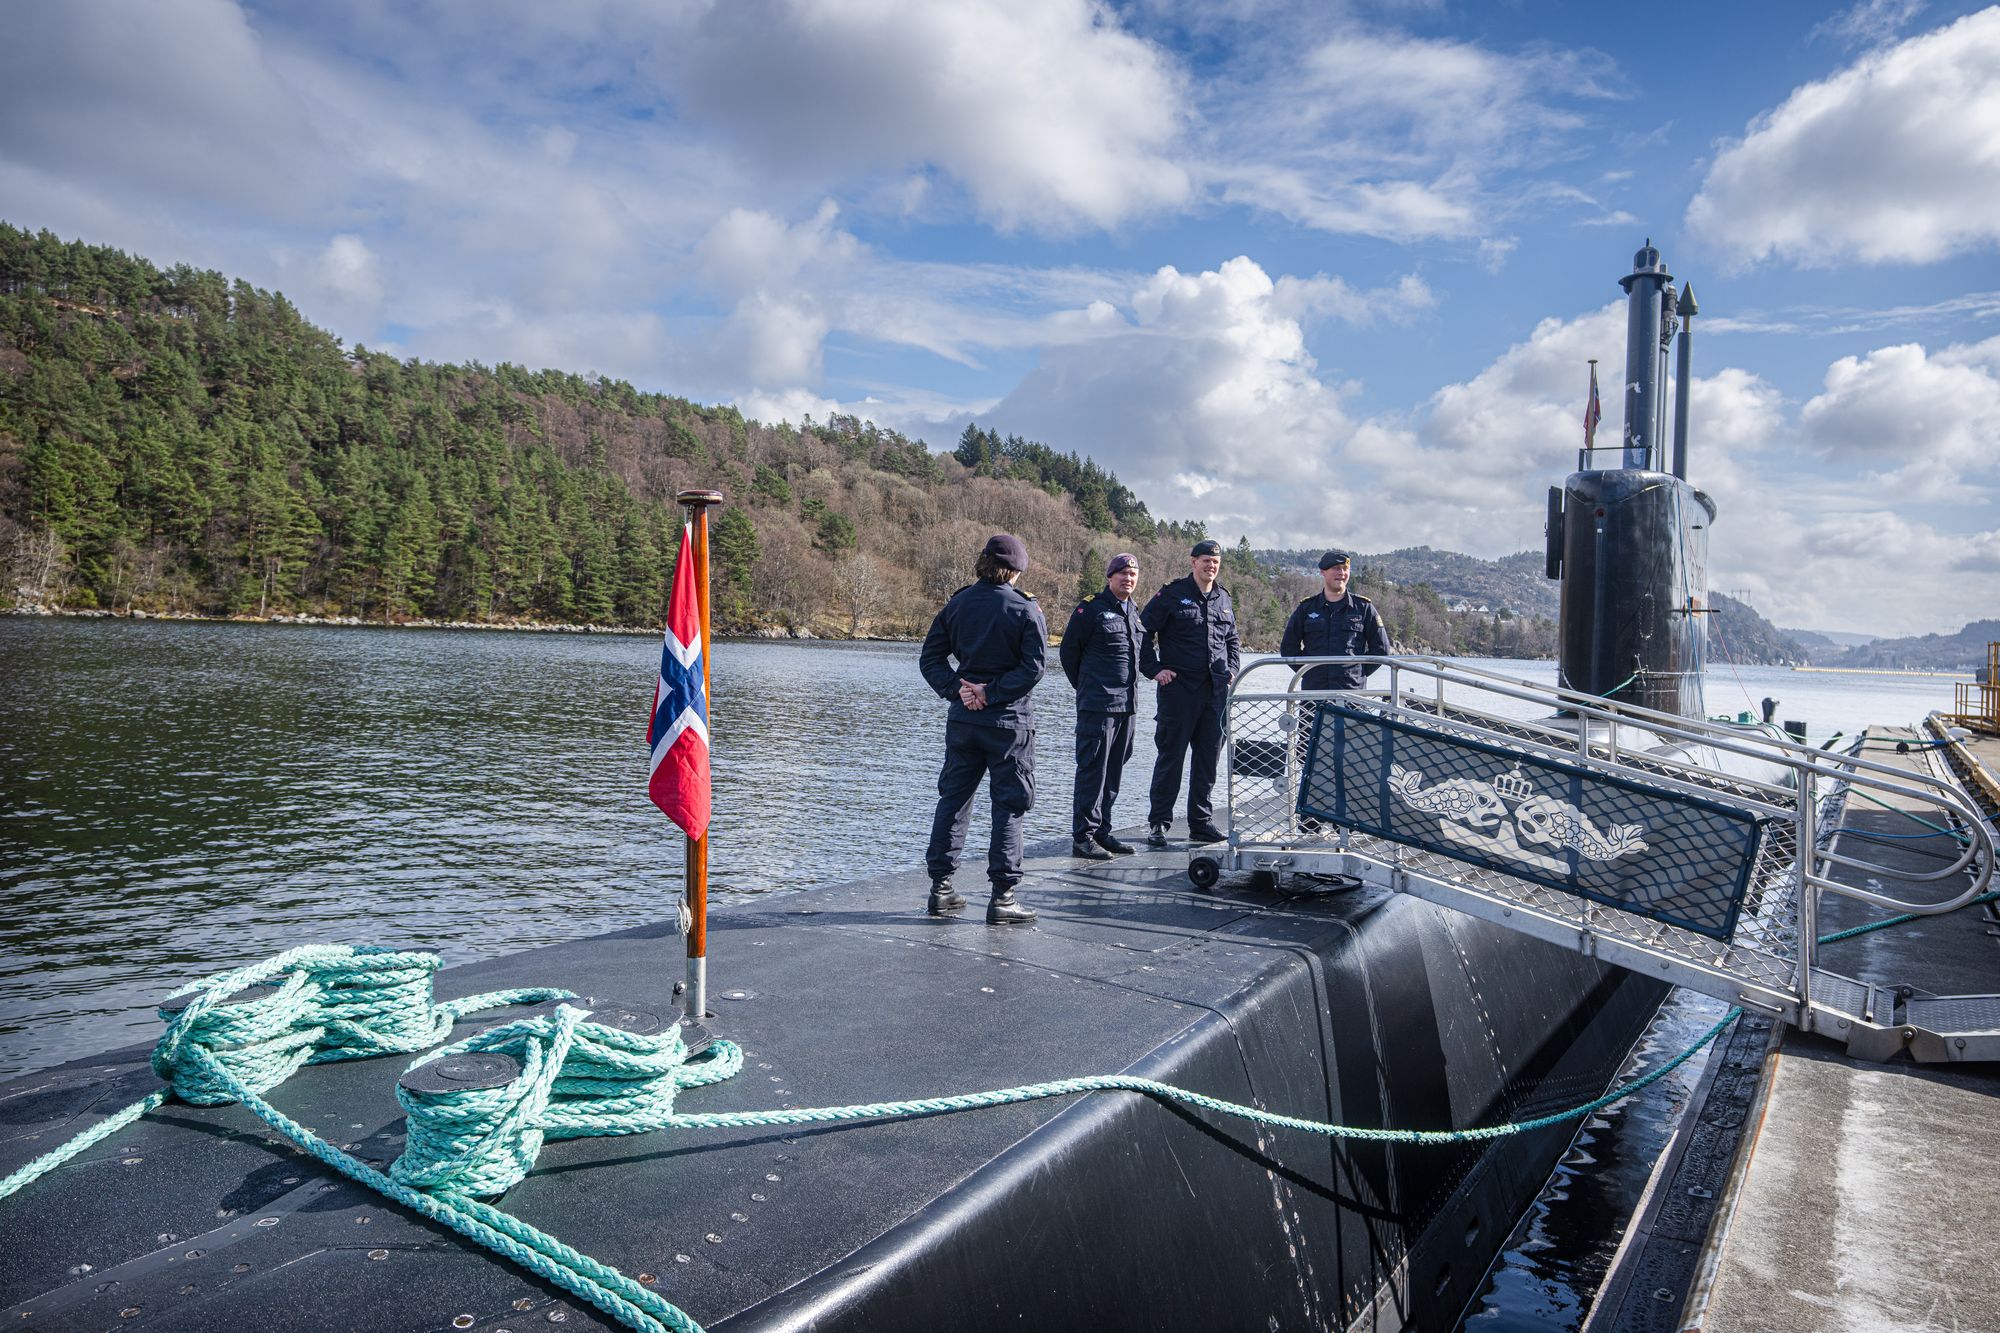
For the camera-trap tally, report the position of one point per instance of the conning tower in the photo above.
(1630, 541)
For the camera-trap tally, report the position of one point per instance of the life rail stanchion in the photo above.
(697, 503)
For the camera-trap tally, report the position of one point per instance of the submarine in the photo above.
(1104, 1209)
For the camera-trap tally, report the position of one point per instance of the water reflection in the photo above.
(181, 797)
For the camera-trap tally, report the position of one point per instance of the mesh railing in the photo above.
(1317, 779)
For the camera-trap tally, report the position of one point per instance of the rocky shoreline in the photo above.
(421, 622)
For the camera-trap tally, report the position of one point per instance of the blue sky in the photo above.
(1315, 273)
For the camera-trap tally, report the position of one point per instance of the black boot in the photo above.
(1158, 836)
(1109, 842)
(1084, 849)
(1201, 834)
(1006, 909)
(945, 900)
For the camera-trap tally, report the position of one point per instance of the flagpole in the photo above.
(697, 503)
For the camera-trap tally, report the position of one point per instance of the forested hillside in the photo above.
(175, 442)
(1739, 634)
(1963, 651)
(1517, 601)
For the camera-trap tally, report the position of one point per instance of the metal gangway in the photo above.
(1685, 849)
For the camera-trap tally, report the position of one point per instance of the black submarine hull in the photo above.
(1098, 1211)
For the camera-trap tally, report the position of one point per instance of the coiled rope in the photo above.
(577, 1079)
(331, 1002)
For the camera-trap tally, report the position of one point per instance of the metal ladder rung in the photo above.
(1953, 1027)
(1856, 1012)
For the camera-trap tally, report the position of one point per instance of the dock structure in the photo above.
(1834, 1192)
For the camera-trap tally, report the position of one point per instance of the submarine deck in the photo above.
(1867, 1193)
(1360, 1007)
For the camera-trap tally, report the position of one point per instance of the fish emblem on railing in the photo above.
(1556, 823)
(1474, 813)
(1474, 804)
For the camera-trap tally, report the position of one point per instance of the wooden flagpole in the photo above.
(697, 503)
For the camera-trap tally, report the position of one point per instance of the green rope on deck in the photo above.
(1899, 920)
(1961, 838)
(331, 1002)
(577, 1079)
(495, 1129)
(1166, 1092)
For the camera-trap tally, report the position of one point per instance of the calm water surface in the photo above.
(178, 798)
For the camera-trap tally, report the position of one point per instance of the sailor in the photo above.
(1100, 655)
(997, 636)
(1190, 650)
(1335, 623)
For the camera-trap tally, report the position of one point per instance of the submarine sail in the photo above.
(1630, 542)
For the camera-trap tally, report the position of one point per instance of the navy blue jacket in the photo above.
(998, 636)
(1100, 654)
(1189, 634)
(1350, 627)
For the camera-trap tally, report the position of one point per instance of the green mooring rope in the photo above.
(578, 1078)
(332, 1002)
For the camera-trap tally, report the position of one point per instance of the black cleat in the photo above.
(1200, 834)
(945, 900)
(1110, 843)
(1158, 837)
(1083, 849)
(1007, 910)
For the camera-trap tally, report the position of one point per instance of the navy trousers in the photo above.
(1190, 718)
(971, 753)
(1103, 744)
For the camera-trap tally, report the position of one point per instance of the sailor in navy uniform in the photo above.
(1190, 649)
(1100, 655)
(1335, 623)
(997, 635)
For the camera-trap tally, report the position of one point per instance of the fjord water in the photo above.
(177, 798)
(180, 797)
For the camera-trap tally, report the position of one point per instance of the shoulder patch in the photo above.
(1359, 598)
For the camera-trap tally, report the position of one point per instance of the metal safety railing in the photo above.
(1678, 847)
(1978, 703)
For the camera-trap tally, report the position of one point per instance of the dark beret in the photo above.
(1008, 550)
(1332, 558)
(1209, 546)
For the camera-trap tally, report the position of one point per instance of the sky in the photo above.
(1318, 273)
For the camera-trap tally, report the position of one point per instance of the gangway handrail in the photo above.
(1803, 760)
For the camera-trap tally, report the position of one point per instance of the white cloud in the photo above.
(1047, 112)
(1813, 543)
(1868, 22)
(1203, 391)
(1893, 160)
(1928, 424)
(1389, 135)
(1489, 446)
(1856, 566)
(792, 405)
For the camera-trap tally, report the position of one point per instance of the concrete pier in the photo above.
(1867, 1195)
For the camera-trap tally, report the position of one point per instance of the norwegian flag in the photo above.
(679, 731)
(1593, 412)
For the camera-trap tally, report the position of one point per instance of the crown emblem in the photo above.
(1514, 785)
